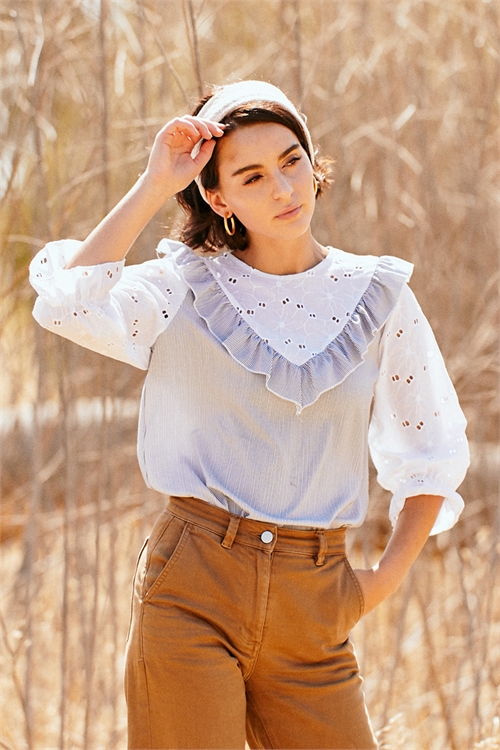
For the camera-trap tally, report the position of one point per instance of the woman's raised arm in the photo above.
(170, 169)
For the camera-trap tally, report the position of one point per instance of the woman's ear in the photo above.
(217, 202)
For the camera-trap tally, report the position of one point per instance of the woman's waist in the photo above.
(267, 535)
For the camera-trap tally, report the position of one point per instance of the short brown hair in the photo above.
(203, 228)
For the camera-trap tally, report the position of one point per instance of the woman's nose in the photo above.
(281, 188)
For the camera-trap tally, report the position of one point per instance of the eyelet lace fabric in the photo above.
(300, 314)
(417, 430)
(113, 309)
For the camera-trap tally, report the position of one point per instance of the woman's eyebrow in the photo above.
(259, 166)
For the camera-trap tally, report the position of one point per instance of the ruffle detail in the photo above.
(300, 384)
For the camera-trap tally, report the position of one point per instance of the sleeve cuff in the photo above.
(54, 283)
(449, 512)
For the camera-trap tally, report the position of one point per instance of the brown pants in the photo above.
(242, 635)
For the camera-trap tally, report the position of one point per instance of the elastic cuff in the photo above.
(449, 512)
(57, 285)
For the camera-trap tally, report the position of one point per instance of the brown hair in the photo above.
(203, 228)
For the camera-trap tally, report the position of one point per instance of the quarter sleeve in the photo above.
(417, 430)
(113, 309)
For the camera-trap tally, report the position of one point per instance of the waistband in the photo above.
(260, 534)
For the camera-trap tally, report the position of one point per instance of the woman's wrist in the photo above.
(376, 585)
(157, 190)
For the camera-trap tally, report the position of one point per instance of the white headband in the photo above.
(234, 95)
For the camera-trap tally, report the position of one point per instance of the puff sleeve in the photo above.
(115, 310)
(417, 430)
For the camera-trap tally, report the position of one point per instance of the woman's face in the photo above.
(266, 180)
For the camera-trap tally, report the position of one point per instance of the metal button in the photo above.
(267, 537)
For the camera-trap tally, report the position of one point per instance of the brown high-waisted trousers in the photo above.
(240, 632)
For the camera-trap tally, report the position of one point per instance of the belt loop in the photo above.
(231, 532)
(323, 547)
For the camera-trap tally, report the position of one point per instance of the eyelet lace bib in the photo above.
(305, 332)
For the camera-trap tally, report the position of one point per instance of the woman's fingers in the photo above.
(204, 154)
(207, 128)
(193, 129)
(182, 127)
(172, 161)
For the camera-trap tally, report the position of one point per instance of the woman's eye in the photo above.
(293, 160)
(251, 179)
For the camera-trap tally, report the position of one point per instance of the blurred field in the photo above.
(404, 95)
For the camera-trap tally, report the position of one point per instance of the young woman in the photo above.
(273, 364)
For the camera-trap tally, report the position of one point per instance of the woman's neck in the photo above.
(282, 258)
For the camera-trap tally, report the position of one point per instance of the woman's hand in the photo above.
(171, 167)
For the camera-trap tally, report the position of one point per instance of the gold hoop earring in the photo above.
(229, 225)
(316, 185)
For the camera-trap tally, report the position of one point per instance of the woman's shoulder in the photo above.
(371, 264)
(164, 269)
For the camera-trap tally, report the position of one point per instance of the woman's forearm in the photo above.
(113, 237)
(408, 538)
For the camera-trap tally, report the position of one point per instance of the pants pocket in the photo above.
(135, 582)
(167, 540)
(357, 588)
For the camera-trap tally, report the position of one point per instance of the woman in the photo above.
(272, 363)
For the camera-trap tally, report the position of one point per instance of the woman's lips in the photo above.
(290, 213)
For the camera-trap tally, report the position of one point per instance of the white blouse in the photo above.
(303, 337)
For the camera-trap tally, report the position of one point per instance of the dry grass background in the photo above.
(404, 94)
